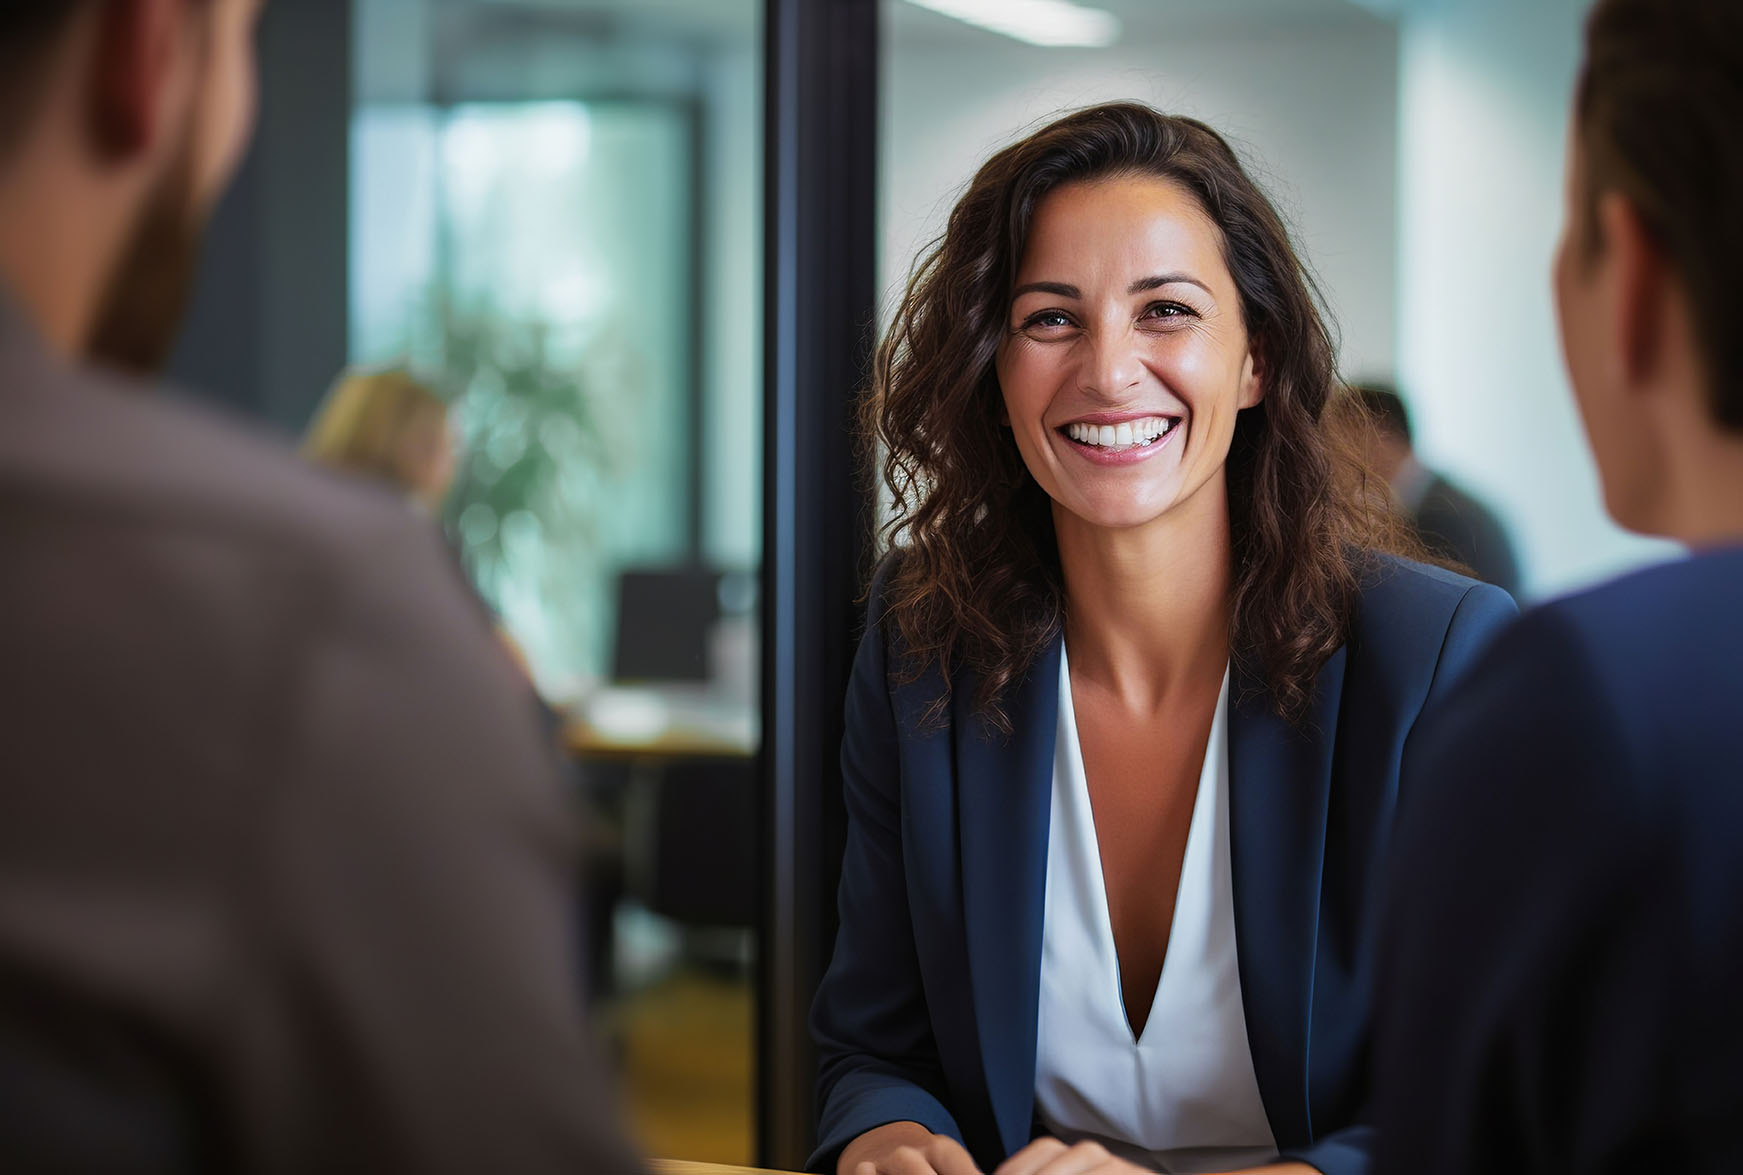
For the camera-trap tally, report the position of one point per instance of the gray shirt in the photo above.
(286, 875)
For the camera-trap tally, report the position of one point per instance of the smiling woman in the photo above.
(980, 587)
(1140, 637)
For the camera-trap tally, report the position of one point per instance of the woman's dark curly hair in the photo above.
(976, 585)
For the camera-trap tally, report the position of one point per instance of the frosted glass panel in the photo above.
(535, 259)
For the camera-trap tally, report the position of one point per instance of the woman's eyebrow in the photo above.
(1142, 285)
(1058, 288)
(1145, 284)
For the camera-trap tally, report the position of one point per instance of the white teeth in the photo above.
(1124, 435)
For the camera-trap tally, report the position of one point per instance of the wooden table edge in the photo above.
(686, 1167)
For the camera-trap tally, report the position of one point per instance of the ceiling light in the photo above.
(1055, 23)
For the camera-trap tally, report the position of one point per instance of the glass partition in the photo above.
(555, 224)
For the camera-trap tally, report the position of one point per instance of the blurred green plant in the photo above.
(533, 471)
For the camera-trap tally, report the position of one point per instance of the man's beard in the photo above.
(142, 310)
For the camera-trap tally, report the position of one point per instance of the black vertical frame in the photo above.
(821, 119)
(269, 324)
(701, 260)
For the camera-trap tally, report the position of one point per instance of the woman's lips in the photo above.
(1124, 443)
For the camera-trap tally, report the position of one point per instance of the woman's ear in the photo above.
(1252, 389)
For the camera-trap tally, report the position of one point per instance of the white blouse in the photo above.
(1182, 1097)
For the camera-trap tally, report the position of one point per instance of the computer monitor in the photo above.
(664, 618)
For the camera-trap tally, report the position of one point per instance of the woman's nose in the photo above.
(1114, 365)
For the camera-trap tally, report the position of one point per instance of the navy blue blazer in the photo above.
(1561, 985)
(928, 1012)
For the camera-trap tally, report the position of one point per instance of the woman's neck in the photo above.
(1148, 607)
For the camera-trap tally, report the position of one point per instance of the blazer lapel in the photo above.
(1279, 793)
(1004, 792)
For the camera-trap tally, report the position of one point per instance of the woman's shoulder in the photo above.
(1412, 609)
(1395, 581)
(881, 646)
(876, 592)
(879, 627)
(920, 684)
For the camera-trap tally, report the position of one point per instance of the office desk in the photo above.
(674, 769)
(643, 724)
(586, 741)
(682, 1167)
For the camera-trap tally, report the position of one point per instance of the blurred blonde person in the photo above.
(383, 423)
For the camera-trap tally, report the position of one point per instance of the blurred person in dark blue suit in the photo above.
(1450, 521)
(286, 876)
(1563, 986)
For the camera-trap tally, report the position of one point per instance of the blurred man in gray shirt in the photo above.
(285, 872)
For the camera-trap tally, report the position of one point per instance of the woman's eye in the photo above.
(1167, 310)
(1047, 320)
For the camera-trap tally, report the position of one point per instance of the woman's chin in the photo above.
(1124, 514)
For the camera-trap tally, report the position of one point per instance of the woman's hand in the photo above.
(904, 1148)
(1049, 1156)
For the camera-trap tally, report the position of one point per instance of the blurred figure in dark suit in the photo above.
(1450, 521)
(1563, 989)
(285, 873)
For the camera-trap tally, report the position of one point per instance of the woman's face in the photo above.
(1125, 359)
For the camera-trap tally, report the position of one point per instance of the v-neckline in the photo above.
(1196, 845)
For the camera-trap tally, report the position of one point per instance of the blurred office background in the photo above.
(640, 246)
(554, 212)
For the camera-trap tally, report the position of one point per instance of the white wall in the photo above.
(1313, 107)
(1486, 88)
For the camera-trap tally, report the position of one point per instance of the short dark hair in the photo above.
(1658, 108)
(27, 29)
(25, 23)
(1385, 407)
